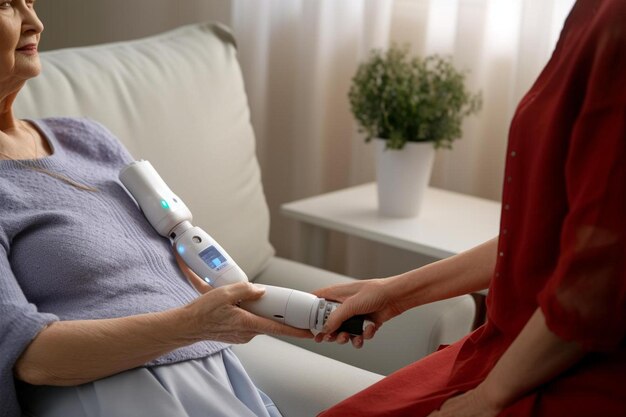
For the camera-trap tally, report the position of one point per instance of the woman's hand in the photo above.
(74, 352)
(369, 297)
(472, 403)
(382, 299)
(215, 315)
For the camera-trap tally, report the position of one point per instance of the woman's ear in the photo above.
(197, 282)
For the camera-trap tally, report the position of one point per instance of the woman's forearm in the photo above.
(76, 352)
(464, 273)
(536, 356)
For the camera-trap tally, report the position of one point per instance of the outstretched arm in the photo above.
(80, 351)
(464, 273)
(382, 299)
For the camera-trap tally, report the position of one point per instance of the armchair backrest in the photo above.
(178, 100)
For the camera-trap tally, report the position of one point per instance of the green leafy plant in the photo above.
(409, 99)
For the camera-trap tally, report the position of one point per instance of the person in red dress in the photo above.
(554, 342)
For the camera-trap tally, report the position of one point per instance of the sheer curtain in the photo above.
(298, 57)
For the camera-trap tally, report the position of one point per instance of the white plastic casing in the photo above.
(163, 209)
(203, 255)
(285, 305)
(206, 257)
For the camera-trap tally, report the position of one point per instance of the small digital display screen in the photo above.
(213, 258)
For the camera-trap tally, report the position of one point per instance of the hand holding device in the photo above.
(171, 218)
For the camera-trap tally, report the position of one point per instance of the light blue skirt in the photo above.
(215, 386)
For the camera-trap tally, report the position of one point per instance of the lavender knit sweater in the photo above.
(67, 254)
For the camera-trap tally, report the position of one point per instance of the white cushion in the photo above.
(178, 100)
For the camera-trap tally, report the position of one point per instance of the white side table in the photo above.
(449, 222)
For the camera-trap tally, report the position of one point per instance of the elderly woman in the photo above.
(555, 339)
(96, 317)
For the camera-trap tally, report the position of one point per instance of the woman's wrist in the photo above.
(76, 352)
(497, 395)
(413, 288)
(535, 357)
(164, 330)
(460, 274)
(182, 324)
(407, 290)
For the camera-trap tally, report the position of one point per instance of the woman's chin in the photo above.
(27, 66)
(29, 73)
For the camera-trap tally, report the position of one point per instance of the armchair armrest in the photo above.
(401, 341)
(300, 382)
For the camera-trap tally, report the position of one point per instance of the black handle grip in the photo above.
(354, 326)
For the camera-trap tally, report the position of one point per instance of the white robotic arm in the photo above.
(171, 218)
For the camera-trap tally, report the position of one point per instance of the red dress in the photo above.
(562, 243)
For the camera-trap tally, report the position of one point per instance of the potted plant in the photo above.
(411, 106)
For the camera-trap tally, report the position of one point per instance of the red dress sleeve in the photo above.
(585, 298)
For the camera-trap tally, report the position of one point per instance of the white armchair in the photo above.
(178, 100)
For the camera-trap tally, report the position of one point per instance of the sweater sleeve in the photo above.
(20, 322)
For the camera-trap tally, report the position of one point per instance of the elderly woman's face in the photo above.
(20, 29)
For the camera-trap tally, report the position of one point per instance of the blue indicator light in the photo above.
(208, 280)
(181, 249)
(164, 204)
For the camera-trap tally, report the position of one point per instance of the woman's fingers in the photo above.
(338, 292)
(369, 331)
(266, 326)
(357, 342)
(243, 291)
(219, 318)
(246, 291)
(337, 317)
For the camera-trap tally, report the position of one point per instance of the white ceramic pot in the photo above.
(402, 176)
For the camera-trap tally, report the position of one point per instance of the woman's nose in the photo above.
(30, 21)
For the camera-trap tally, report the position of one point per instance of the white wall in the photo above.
(86, 22)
